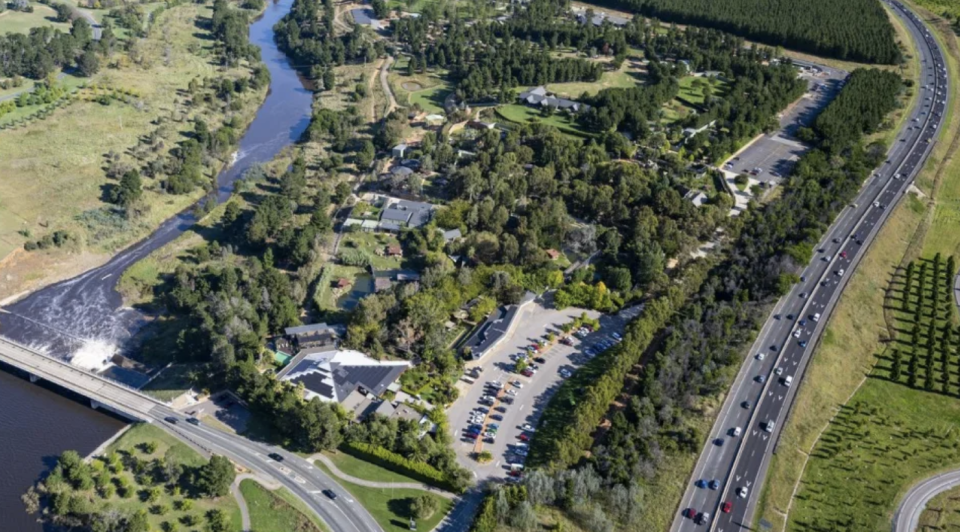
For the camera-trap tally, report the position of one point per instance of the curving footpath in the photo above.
(373, 484)
(907, 517)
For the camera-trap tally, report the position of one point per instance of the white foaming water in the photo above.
(94, 355)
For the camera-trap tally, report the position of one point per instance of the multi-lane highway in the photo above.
(744, 436)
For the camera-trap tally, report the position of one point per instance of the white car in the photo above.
(788, 381)
(769, 426)
(796, 333)
(780, 371)
(518, 384)
(816, 317)
(736, 432)
(496, 384)
(840, 272)
(528, 427)
(742, 492)
(512, 392)
(761, 356)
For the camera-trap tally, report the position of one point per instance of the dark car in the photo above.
(497, 417)
(539, 360)
(745, 404)
(331, 494)
(275, 456)
(714, 484)
(171, 420)
(690, 513)
(701, 483)
(702, 518)
(193, 421)
(718, 442)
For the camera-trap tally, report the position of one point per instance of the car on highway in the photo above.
(193, 421)
(788, 381)
(332, 495)
(742, 492)
(702, 518)
(171, 420)
(769, 425)
(714, 484)
(736, 432)
(702, 483)
(745, 404)
(816, 317)
(726, 508)
(761, 379)
(690, 513)
(761, 356)
(803, 343)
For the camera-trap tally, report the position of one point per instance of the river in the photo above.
(82, 319)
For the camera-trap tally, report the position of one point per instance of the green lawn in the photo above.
(609, 80)
(362, 469)
(427, 89)
(693, 93)
(326, 296)
(374, 245)
(522, 114)
(389, 507)
(271, 512)
(20, 22)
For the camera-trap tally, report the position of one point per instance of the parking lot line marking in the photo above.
(497, 464)
(521, 407)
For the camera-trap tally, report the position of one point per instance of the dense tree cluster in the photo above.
(860, 108)
(821, 27)
(230, 28)
(44, 50)
(484, 60)
(306, 35)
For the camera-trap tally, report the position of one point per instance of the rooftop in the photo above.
(333, 375)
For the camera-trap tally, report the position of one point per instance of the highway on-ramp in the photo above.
(908, 513)
(742, 440)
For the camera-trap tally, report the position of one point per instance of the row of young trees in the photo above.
(926, 302)
(821, 27)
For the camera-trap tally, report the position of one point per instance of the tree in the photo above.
(423, 506)
(129, 191)
(895, 367)
(64, 12)
(914, 368)
(215, 477)
(88, 63)
(329, 80)
(365, 154)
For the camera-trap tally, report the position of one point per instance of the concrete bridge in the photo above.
(103, 393)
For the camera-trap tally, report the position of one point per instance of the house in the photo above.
(452, 235)
(494, 329)
(539, 97)
(381, 284)
(335, 374)
(405, 411)
(406, 276)
(404, 213)
(697, 197)
(394, 250)
(398, 151)
(313, 337)
(434, 120)
(553, 254)
(365, 17)
(342, 282)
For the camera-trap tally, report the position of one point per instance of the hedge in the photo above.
(578, 407)
(486, 518)
(420, 471)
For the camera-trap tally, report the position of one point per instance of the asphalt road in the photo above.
(299, 476)
(740, 463)
(908, 513)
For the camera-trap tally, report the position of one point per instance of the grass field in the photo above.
(428, 90)
(362, 469)
(169, 448)
(389, 507)
(172, 383)
(692, 92)
(20, 22)
(522, 114)
(942, 512)
(853, 342)
(621, 79)
(54, 169)
(270, 511)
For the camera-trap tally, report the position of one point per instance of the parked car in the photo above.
(528, 427)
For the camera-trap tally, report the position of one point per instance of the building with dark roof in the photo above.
(407, 213)
(494, 329)
(539, 97)
(334, 375)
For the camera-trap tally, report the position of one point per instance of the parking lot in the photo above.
(772, 156)
(524, 405)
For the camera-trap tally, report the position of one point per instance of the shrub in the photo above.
(420, 471)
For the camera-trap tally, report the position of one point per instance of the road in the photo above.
(296, 474)
(760, 409)
(94, 25)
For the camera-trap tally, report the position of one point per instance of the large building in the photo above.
(539, 97)
(494, 329)
(395, 214)
(335, 374)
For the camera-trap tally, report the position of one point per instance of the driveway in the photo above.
(529, 401)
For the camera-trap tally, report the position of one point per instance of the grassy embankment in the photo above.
(843, 372)
(389, 506)
(132, 443)
(54, 169)
(277, 511)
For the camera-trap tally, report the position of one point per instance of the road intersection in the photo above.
(761, 395)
